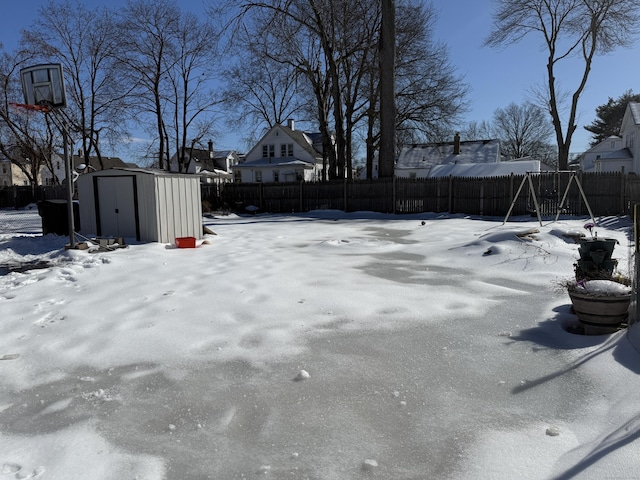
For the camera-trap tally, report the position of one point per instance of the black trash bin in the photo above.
(55, 217)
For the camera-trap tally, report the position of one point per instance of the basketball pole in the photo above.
(67, 167)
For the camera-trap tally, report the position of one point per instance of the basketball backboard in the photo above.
(44, 85)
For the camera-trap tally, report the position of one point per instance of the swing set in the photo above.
(532, 192)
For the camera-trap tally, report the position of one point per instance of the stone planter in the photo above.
(595, 258)
(600, 314)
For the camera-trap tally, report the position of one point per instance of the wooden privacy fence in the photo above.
(18, 196)
(607, 194)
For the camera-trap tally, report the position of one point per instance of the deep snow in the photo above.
(323, 346)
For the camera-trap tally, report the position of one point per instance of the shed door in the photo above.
(116, 206)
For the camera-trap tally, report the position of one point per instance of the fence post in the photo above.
(260, 195)
(344, 194)
(623, 190)
(301, 195)
(394, 193)
(450, 210)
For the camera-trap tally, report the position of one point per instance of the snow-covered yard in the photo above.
(315, 346)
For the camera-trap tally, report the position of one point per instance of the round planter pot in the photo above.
(600, 314)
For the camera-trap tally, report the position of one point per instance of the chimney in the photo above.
(210, 149)
(291, 124)
(456, 144)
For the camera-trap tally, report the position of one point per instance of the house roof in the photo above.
(430, 154)
(214, 160)
(517, 167)
(617, 155)
(301, 138)
(107, 162)
(275, 162)
(635, 112)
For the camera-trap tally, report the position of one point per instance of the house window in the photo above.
(268, 151)
(258, 175)
(276, 176)
(613, 144)
(4, 168)
(58, 166)
(299, 175)
(286, 150)
(237, 176)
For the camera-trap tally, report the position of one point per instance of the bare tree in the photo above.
(84, 41)
(260, 90)
(523, 130)
(474, 130)
(147, 29)
(192, 71)
(430, 97)
(569, 29)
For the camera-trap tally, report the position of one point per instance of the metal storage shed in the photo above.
(148, 205)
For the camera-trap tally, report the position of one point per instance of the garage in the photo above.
(138, 204)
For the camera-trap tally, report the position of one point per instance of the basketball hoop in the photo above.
(30, 108)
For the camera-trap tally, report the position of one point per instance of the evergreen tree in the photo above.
(609, 117)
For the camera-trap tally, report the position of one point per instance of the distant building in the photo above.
(283, 154)
(606, 156)
(80, 165)
(213, 166)
(416, 161)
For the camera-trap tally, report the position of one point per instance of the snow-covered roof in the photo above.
(274, 162)
(487, 169)
(430, 154)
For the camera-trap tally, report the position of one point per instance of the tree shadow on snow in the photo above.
(621, 436)
(554, 333)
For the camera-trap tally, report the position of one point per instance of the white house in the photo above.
(607, 156)
(630, 133)
(416, 161)
(213, 166)
(283, 154)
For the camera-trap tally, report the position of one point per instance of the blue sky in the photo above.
(496, 77)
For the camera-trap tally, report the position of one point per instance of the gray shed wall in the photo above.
(169, 206)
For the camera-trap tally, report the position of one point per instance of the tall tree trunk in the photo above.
(386, 158)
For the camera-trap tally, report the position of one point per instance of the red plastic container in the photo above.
(186, 242)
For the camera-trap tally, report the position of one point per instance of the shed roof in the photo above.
(144, 171)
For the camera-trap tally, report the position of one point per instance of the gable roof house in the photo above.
(607, 156)
(283, 154)
(213, 166)
(417, 161)
(12, 174)
(630, 134)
